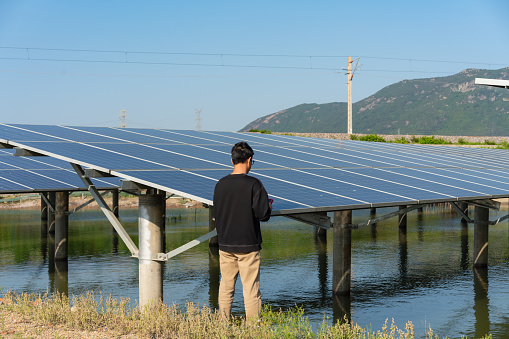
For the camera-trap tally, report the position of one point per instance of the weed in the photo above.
(263, 131)
(157, 320)
(401, 140)
(369, 137)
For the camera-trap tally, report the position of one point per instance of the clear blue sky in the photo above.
(80, 62)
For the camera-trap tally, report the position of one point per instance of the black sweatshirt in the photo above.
(240, 203)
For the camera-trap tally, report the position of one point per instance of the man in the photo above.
(240, 203)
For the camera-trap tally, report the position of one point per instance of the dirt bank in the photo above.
(76, 201)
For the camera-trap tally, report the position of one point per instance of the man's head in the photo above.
(241, 152)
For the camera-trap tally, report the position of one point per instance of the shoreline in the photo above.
(123, 203)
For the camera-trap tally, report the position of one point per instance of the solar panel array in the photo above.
(300, 174)
(41, 174)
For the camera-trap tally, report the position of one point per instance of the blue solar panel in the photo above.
(39, 174)
(299, 173)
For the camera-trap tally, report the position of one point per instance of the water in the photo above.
(428, 280)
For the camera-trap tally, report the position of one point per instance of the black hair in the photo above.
(241, 151)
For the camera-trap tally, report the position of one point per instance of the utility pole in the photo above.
(349, 74)
(122, 118)
(198, 119)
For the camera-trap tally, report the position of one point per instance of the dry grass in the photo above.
(93, 316)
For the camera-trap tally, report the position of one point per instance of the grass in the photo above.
(428, 140)
(94, 312)
(263, 131)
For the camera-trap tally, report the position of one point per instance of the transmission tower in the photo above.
(198, 119)
(122, 118)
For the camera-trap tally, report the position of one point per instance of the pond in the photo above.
(428, 279)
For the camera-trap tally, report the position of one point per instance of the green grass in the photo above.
(263, 131)
(427, 140)
(94, 312)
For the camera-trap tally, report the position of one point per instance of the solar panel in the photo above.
(41, 174)
(300, 174)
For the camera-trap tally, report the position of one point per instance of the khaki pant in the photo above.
(248, 265)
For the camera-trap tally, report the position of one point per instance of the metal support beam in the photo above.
(150, 223)
(481, 236)
(106, 210)
(462, 209)
(86, 203)
(45, 197)
(185, 247)
(61, 225)
(319, 219)
(342, 253)
(3, 145)
(387, 216)
(488, 203)
(212, 226)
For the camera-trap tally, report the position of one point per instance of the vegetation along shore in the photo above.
(96, 316)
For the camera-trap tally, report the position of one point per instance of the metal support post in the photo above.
(321, 232)
(114, 202)
(342, 252)
(372, 211)
(51, 213)
(481, 225)
(212, 226)
(402, 218)
(44, 209)
(61, 225)
(150, 223)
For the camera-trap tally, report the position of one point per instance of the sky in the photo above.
(81, 63)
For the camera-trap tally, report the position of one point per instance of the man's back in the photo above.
(240, 203)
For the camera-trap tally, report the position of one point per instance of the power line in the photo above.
(28, 49)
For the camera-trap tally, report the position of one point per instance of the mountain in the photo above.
(450, 105)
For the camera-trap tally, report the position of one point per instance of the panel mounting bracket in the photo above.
(185, 247)
(388, 215)
(318, 219)
(93, 173)
(128, 185)
(488, 203)
(21, 152)
(106, 210)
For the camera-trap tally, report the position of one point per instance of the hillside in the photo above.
(450, 105)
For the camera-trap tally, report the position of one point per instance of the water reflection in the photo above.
(481, 305)
(214, 273)
(321, 253)
(403, 254)
(422, 273)
(60, 277)
(342, 307)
